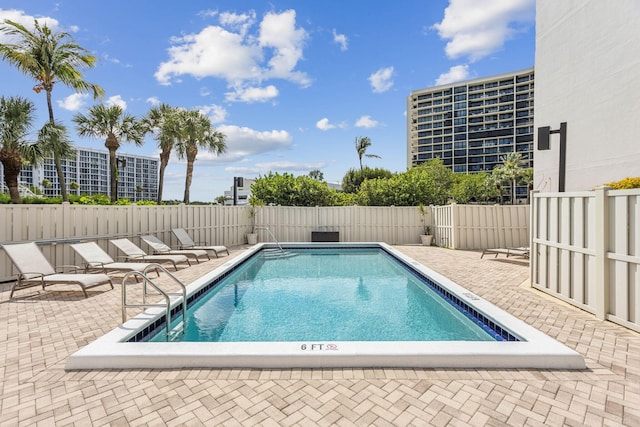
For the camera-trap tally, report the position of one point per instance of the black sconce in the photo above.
(544, 133)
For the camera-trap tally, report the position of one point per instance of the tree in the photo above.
(317, 175)
(221, 199)
(287, 190)
(16, 119)
(362, 144)
(113, 124)
(429, 184)
(49, 58)
(473, 187)
(511, 171)
(196, 131)
(352, 180)
(162, 123)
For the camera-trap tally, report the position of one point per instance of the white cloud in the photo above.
(74, 102)
(22, 18)
(216, 113)
(323, 124)
(116, 100)
(366, 122)
(281, 166)
(245, 59)
(341, 39)
(252, 94)
(478, 28)
(278, 31)
(243, 142)
(381, 80)
(239, 22)
(455, 74)
(154, 101)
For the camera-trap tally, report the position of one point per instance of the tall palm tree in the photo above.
(113, 124)
(16, 119)
(161, 122)
(362, 144)
(512, 170)
(49, 58)
(196, 131)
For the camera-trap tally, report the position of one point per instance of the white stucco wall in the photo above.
(588, 74)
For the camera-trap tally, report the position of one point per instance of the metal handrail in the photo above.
(272, 236)
(165, 294)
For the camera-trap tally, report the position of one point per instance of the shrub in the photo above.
(625, 184)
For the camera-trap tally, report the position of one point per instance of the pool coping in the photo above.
(536, 350)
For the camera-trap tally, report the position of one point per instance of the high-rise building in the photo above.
(472, 124)
(137, 175)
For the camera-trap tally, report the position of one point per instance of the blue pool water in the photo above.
(343, 294)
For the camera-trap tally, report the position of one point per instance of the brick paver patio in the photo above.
(39, 330)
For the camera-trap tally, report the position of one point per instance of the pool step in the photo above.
(277, 254)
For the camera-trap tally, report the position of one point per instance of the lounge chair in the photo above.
(95, 258)
(159, 247)
(35, 270)
(134, 254)
(521, 251)
(186, 242)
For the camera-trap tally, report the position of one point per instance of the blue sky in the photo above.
(290, 83)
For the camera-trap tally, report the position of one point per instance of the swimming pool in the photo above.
(490, 337)
(325, 294)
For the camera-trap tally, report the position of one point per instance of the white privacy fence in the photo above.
(586, 251)
(454, 226)
(481, 226)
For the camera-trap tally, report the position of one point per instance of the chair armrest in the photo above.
(34, 274)
(94, 266)
(72, 268)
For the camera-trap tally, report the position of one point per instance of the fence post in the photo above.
(533, 233)
(601, 291)
(454, 225)
(67, 219)
(499, 230)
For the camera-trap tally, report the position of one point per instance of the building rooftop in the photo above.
(40, 329)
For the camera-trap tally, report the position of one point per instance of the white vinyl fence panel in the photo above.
(54, 226)
(586, 251)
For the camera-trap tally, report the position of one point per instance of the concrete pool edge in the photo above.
(537, 350)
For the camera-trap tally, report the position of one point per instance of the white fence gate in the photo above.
(586, 251)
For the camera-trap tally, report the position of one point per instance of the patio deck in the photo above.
(39, 330)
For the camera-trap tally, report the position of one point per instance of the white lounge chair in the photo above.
(135, 254)
(35, 270)
(159, 247)
(522, 252)
(186, 242)
(95, 258)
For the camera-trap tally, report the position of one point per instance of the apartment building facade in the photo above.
(137, 175)
(472, 124)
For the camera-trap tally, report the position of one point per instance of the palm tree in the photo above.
(112, 123)
(49, 58)
(362, 143)
(16, 119)
(196, 131)
(512, 170)
(161, 122)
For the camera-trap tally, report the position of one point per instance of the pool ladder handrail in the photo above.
(272, 236)
(166, 295)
